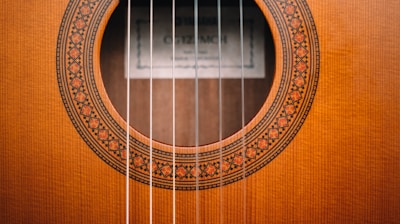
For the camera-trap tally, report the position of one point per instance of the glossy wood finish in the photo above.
(342, 167)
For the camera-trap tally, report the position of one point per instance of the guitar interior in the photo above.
(256, 89)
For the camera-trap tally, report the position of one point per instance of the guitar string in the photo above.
(127, 75)
(173, 118)
(243, 113)
(196, 105)
(196, 46)
(151, 117)
(220, 108)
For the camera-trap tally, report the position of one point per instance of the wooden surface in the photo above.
(342, 167)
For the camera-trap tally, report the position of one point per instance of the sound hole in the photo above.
(258, 46)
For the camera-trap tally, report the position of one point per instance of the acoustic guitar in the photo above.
(273, 111)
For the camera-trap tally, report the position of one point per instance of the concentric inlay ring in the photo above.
(265, 137)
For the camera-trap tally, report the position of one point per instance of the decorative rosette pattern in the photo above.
(106, 137)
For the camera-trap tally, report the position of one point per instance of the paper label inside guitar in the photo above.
(208, 52)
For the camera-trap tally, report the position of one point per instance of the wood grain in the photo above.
(342, 167)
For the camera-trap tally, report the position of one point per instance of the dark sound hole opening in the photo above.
(259, 65)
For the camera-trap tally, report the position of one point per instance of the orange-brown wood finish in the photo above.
(342, 167)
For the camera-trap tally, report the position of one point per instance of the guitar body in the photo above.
(341, 165)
